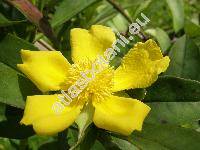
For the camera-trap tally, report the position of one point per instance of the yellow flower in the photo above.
(50, 71)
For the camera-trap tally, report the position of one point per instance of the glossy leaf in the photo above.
(185, 62)
(123, 144)
(173, 89)
(14, 87)
(166, 137)
(10, 50)
(68, 9)
(185, 114)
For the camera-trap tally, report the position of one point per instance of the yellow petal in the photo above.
(120, 114)
(40, 113)
(140, 67)
(46, 69)
(87, 44)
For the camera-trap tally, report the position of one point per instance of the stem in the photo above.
(35, 16)
(120, 10)
(123, 13)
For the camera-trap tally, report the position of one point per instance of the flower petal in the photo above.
(40, 113)
(120, 114)
(87, 44)
(46, 69)
(140, 67)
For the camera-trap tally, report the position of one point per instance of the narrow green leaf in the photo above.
(173, 89)
(166, 137)
(141, 7)
(10, 50)
(5, 22)
(177, 10)
(67, 9)
(162, 38)
(14, 87)
(185, 62)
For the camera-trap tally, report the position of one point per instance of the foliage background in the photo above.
(173, 123)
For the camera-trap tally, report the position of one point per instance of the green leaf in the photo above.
(5, 22)
(68, 9)
(162, 38)
(177, 10)
(5, 144)
(185, 62)
(62, 140)
(106, 140)
(83, 121)
(11, 128)
(2, 111)
(14, 87)
(10, 50)
(97, 146)
(36, 141)
(123, 144)
(191, 29)
(173, 89)
(49, 146)
(72, 135)
(166, 137)
(141, 7)
(89, 139)
(137, 93)
(185, 114)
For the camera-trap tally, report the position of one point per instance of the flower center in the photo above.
(90, 81)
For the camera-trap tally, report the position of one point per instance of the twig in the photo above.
(120, 9)
(35, 16)
(122, 12)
